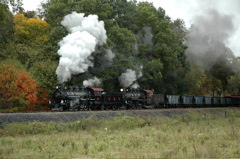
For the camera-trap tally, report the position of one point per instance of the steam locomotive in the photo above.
(90, 98)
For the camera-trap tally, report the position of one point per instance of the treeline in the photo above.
(141, 37)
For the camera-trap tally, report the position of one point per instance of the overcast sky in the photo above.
(188, 10)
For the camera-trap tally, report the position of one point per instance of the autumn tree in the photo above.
(18, 90)
(31, 29)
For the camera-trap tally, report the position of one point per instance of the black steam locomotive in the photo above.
(75, 98)
(90, 98)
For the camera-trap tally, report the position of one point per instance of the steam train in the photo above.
(90, 98)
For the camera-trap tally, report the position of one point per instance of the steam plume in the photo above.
(129, 78)
(92, 82)
(76, 49)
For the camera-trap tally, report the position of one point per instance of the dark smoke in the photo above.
(207, 38)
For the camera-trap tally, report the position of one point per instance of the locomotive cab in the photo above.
(95, 96)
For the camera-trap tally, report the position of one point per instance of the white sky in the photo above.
(187, 10)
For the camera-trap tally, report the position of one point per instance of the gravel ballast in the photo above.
(6, 118)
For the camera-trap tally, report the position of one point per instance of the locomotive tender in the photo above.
(90, 98)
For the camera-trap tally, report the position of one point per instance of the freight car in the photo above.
(90, 98)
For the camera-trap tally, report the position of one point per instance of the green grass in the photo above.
(125, 137)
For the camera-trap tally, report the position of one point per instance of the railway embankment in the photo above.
(6, 118)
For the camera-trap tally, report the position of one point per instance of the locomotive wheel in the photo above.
(140, 106)
(85, 106)
(114, 107)
(73, 108)
(61, 108)
(102, 107)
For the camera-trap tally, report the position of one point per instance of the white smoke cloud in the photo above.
(109, 56)
(92, 82)
(148, 36)
(129, 79)
(76, 49)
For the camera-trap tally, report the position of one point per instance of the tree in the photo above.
(152, 76)
(234, 84)
(124, 13)
(28, 54)
(31, 30)
(122, 39)
(6, 26)
(195, 81)
(147, 15)
(44, 73)
(169, 48)
(18, 90)
(221, 71)
(17, 6)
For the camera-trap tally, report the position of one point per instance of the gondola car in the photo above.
(199, 101)
(173, 101)
(187, 101)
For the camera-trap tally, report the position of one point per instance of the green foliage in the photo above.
(152, 76)
(234, 84)
(146, 15)
(125, 13)
(169, 49)
(44, 73)
(195, 79)
(6, 26)
(221, 71)
(123, 38)
(27, 54)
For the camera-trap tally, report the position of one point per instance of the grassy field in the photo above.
(125, 137)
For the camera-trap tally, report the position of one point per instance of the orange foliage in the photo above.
(43, 98)
(27, 86)
(17, 89)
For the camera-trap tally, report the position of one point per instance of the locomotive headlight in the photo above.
(57, 87)
(49, 102)
(61, 101)
(121, 90)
